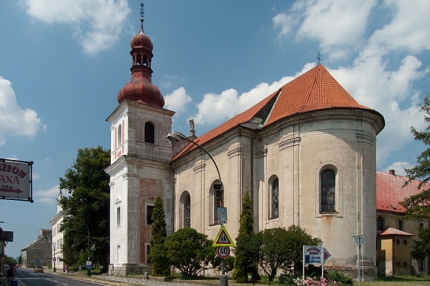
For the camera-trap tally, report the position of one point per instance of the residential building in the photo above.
(39, 251)
(57, 239)
(396, 233)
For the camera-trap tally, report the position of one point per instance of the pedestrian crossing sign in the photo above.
(223, 238)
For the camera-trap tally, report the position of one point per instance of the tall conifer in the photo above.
(158, 256)
(245, 255)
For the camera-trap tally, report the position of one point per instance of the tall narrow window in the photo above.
(217, 196)
(149, 211)
(379, 224)
(328, 187)
(187, 211)
(149, 133)
(400, 225)
(119, 135)
(148, 251)
(274, 198)
(118, 216)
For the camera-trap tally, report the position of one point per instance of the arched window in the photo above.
(185, 208)
(328, 191)
(119, 135)
(149, 133)
(274, 198)
(217, 200)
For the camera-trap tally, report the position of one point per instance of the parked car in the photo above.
(38, 268)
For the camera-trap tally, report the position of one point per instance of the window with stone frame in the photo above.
(185, 209)
(149, 132)
(119, 135)
(274, 198)
(118, 216)
(217, 198)
(327, 191)
(149, 211)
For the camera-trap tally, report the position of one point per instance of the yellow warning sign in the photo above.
(223, 238)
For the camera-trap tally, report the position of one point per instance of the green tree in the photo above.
(158, 255)
(296, 238)
(245, 252)
(86, 225)
(418, 206)
(279, 247)
(189, 251)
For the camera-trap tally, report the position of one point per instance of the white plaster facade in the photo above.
(279, 150)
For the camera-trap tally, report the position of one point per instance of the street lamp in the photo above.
(54, 258)
(176, 137)
(88, 249)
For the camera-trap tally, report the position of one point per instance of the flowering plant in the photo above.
(314, 281)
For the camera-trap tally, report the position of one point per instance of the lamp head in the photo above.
(173, 138)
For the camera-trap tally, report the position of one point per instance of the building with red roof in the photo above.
(396, 233)
(306, 154)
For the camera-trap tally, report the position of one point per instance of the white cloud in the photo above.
(47, 196)
(97, 23)
(408, 29)
(177, 100)
(14, 120)
(339, 26)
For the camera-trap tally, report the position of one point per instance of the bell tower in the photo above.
(140, 156)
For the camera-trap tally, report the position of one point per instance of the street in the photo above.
(26, 277)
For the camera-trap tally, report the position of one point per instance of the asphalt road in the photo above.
(26, 277)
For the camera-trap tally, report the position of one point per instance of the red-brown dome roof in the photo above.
(141, 41)
(141, 89)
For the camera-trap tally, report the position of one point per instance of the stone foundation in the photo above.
(127, 269)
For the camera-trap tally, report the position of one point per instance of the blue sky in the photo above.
(63, 62)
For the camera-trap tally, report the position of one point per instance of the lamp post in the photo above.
(176, 137)
(54, 258)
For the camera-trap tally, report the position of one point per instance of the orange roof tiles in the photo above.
(390, 191)
(314, 90)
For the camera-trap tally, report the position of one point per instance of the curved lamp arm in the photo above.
(177, 136)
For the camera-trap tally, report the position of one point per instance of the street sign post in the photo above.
(223, 238)
(223, 251)
(222, 215)
(359, 240)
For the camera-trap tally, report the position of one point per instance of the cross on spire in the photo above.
(319, 57)
(142, 12)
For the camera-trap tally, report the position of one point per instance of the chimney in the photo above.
(392, 172)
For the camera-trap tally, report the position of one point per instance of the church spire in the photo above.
(142, 13)
(140, 88)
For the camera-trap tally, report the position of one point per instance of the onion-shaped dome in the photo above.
(141, 41)
(140, 88)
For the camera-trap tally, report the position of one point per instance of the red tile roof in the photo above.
(391, 191)
(314, 90)
(395, 231)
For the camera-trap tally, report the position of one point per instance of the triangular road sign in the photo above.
(223, 238)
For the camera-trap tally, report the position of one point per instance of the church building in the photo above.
(306, 154)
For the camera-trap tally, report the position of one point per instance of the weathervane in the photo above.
(141, 16)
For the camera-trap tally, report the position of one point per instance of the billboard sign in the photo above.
(16, 180)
